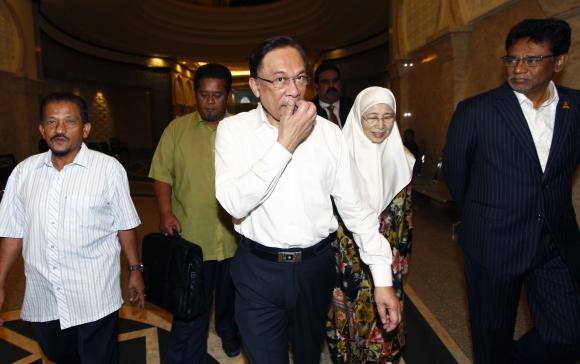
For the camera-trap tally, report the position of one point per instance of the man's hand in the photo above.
(10, 250)
(128, 239)
(136, 289)
(389, 307)
(169, 224)
(296, 123)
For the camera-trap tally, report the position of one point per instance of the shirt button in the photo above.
(52, 246)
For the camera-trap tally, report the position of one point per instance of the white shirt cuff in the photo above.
(382, 275)
(272, 163)
(280, 152)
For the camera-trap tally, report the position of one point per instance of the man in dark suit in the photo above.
(509, 160)
(330, 103)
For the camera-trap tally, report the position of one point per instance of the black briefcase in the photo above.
(173, 275)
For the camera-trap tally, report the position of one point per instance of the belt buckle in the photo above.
(289, 257)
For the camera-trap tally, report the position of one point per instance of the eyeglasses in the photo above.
(530, 61)
(282, 82)
(374, 120)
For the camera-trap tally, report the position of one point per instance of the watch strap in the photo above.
(136, 267)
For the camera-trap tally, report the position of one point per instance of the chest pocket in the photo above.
(89, 209)
(88, 204)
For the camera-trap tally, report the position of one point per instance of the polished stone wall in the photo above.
(18, 115)
(19, 88)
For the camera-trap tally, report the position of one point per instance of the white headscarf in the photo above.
(383, 169)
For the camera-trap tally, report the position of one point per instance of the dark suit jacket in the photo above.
(492, 169)
(345, 106)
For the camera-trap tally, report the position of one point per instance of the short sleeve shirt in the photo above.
(68, 221)
(184, 159)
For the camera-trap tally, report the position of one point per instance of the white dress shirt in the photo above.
(68, 221)
(283, 200)
(335, 111)
(541, 121)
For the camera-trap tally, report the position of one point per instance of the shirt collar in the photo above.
(523, 99)
(263, 118)
(202, 123)
(82, 158)
(325, 105)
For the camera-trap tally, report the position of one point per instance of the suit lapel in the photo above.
(344, 110)
(511, 111)
(564, 115)
(319, 110)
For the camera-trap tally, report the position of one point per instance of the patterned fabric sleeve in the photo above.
(396, 225)
(406, 229)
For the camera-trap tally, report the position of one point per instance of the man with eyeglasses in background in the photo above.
(330, 102)
(277, 167)
(509, 161)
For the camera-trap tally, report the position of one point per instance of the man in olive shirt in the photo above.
(183, 170)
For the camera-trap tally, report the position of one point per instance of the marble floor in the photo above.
(436, 274)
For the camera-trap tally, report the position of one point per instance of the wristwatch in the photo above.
(136, 267)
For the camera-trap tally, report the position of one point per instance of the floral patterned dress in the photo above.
(354, 331)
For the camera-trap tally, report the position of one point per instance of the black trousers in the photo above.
(188, 339)
(93, 342)
(282, 302)
(553, 297)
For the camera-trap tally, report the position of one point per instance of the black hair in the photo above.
(555, 32)
(213, 70)
(65, 97)
(271, 44)
(325, 67)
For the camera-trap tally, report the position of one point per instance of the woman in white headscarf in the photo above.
(384, 168)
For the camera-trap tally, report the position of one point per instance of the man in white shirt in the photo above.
(509, 160)
(277, 168)
(330, 101)
(68, 211)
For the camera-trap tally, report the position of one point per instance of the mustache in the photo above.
(332, 89)
(59, 136)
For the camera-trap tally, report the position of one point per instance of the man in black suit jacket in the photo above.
(329, 89)
(509, 160)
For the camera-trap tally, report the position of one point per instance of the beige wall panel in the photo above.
(24, 22)
(11, 41)
(421, 20)
(571, 75)
(472, 9)
(428, 90)
(557, 6)
(19, 90)
(19, 109)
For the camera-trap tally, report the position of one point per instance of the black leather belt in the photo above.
(291, 255)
